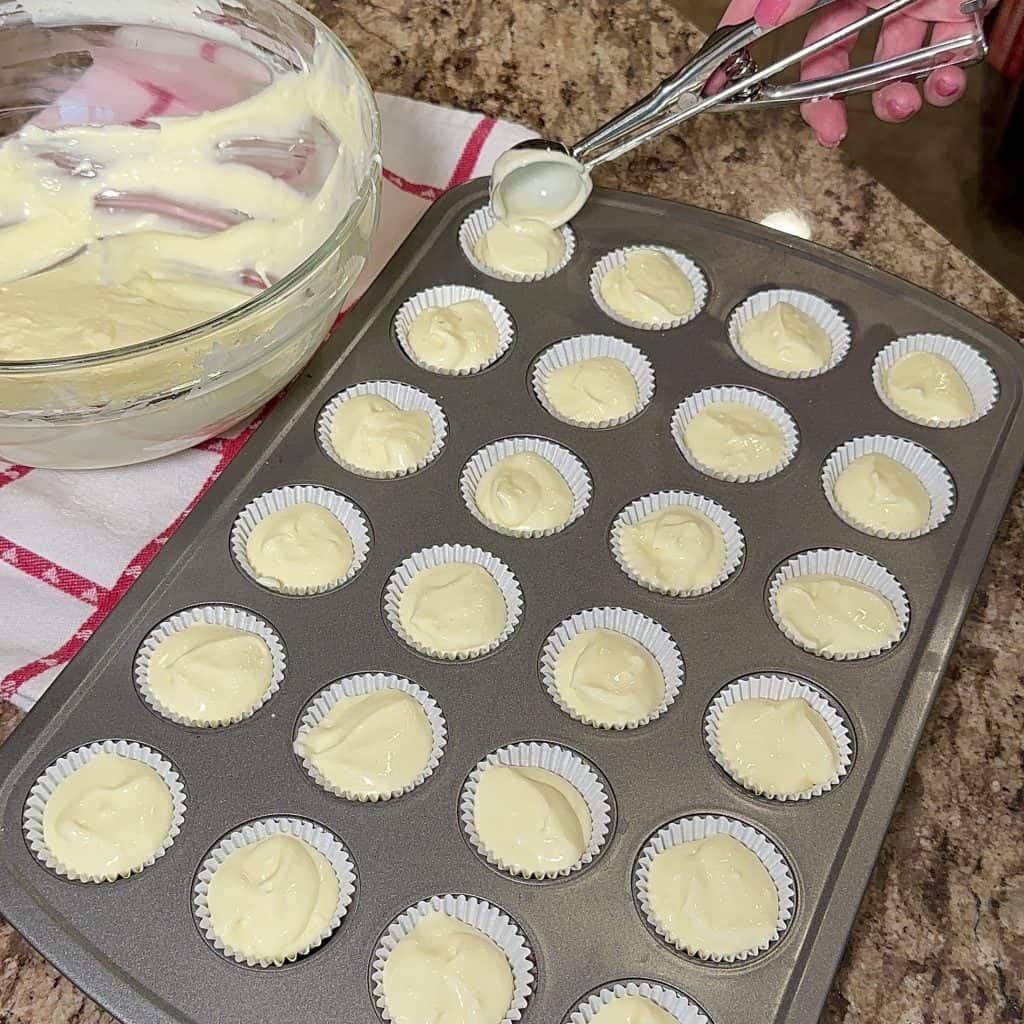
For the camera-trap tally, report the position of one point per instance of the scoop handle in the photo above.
(681, 97)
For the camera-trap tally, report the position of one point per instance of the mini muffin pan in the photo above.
(136, 945)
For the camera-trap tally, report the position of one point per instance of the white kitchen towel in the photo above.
(72, 543)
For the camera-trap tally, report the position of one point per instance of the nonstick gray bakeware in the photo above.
(135, 945)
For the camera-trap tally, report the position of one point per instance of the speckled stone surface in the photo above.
(940, 937)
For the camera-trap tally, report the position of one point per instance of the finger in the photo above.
(900, 34)
(828, 117)
(946, 86)
(929, 10)
(715, 82)
(897, 102)
(770, 13)
(738, 11)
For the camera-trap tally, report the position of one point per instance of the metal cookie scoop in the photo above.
(539, 180)
(549, 181)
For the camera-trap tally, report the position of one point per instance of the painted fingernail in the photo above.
(770, 12)
(947, 87)
(898, 111)
(829, 141)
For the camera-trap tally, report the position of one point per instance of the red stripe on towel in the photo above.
(467, 161)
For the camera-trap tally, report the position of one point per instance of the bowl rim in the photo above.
(369, 174)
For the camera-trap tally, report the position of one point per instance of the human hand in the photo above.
(900, 33)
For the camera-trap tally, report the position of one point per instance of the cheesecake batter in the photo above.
(116, 304)
(836, 615)
(538, 184)
(632, 1010)
(373, 744)
(608, 678)
(444, 970)
(273, 899)
(784, 338)
(107, 818)
(375, 435)
(879, 492)
(520, 248)
(299, 546)
(927, 387)
(647, 287)
(524, 491)
(735, 439)
(713, 897)
(76, 277)
(462, 336)
(780, 747)
(530, 820)
(210, 674)
(676, 549)
(592, 390)
(454, 608)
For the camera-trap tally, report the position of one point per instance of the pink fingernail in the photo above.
(898, 111)
(946, 87)
(770, 12)
(829, 141)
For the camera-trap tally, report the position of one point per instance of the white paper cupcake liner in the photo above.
(212, 615)
(478, 914)
(853, 565)
(408, 399)
(777, 413)
(592, 346)
(823, 313)
(689, 269)
(317, 836)
(769, 686)
(973, 367)
(933, 475)
(732, 536)
(645, 631)
(64, 766)
(439, 298)
(576, 770)
(347, 513)
(701, 826)
(673, 1002)
(478, 223)
(441, 554)
(568, 466)
(357, 685)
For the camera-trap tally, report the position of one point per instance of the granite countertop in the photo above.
(940, 936)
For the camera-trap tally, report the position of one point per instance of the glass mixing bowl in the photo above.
(149, 399)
